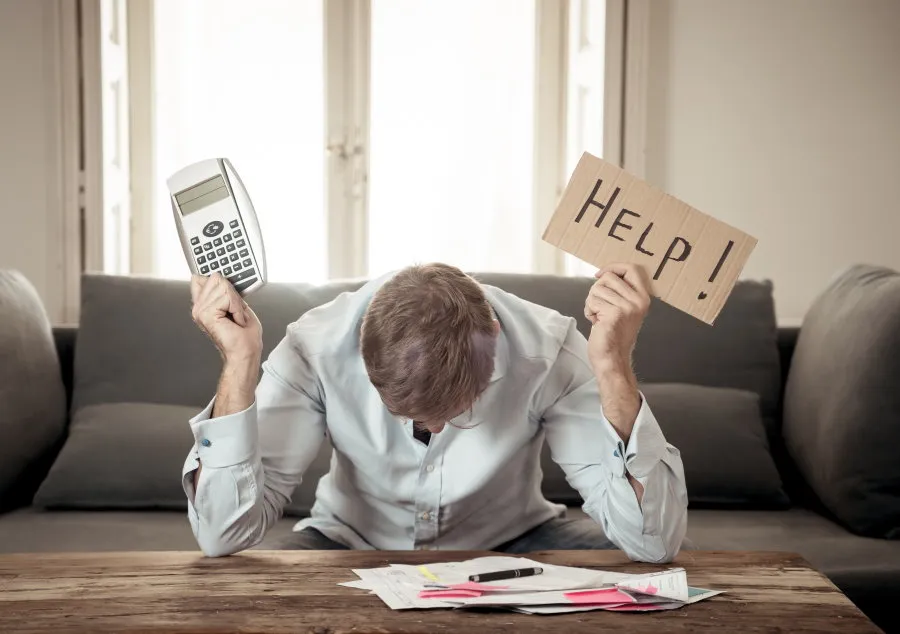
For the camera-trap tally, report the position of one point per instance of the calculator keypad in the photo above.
(228, 252)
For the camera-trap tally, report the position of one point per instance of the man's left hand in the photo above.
(616, 306)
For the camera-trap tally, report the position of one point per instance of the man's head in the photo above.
(428, 340)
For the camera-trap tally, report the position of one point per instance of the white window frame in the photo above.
(346, 143)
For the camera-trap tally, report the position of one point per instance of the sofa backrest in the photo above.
(137, 344)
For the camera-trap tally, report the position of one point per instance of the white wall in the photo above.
(31, 146)
(782, 117)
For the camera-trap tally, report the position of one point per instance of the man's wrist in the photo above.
(237, 387)
(613, 371)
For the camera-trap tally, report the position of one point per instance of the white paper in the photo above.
(700, 594)
(668, 584)
(552, 578)
(398, 589)
(560, 609)
(361, 585)
(399, 586)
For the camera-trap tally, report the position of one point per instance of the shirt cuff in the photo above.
(227, 440)
(646, 445)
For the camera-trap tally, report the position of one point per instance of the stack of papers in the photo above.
(557, 590)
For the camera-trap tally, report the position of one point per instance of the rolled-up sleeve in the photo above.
(597, 462)
(253, 460)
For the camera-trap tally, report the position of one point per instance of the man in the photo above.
(437, 394)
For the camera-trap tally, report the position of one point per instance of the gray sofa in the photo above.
(94, 430)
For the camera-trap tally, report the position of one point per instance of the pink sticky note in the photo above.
(449, 594)
(603, 596)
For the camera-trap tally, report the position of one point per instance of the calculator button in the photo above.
(240, 286)
(247, 262)
(204, 270)
(220, 251)
(230, 247)
(223, 261)
(207, 246)
(241, 243)
(234, 257)
(214, 266)
(226, 270)
(233, 224)
(217, 242)
(201, 259)
(213, 229)
(237, 266)
(244, 279)
(198, 250)
(244, 253)
(195, 240)
(237, 233)
(227, 237)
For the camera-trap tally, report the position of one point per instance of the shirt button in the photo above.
(426, 515)
(429, 468)
(205, 442)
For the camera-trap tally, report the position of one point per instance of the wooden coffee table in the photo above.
(268, 591)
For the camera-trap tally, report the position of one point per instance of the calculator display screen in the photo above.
(201, 195)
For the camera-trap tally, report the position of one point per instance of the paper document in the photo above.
(668, 584)
(559, 589)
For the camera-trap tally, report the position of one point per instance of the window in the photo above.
(452, 122)
(372, 134)
(244, 80)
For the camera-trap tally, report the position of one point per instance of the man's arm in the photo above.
(621, 402)
(608, 469)
(253, 458)
(251, 444)
(235, 393)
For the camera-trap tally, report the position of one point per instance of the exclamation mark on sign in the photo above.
(715, 272)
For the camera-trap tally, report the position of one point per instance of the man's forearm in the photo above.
(620, 398)
(235, 393)
(621, 402)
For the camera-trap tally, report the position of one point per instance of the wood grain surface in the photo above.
(296, 591)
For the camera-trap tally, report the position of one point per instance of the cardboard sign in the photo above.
(607, 215)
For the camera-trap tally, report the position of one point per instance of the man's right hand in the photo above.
(225, 317)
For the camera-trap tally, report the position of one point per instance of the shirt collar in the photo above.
(501, 356)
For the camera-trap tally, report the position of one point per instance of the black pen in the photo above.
(506, 574)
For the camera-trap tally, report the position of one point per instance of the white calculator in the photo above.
(217, 224)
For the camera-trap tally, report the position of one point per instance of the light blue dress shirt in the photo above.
(468, 488)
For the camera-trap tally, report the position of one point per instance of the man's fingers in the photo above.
(620, 286)
(219, 296)
(602, 297)
(197, 284)
(635, 275)
(211, 287)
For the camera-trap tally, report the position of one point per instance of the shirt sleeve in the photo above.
(253, 460)
(596, 461)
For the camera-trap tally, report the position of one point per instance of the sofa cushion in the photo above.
(842, 402)
(122, 456)
(137, 342)
(32, 395)
(723, 444)
(130, 456)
